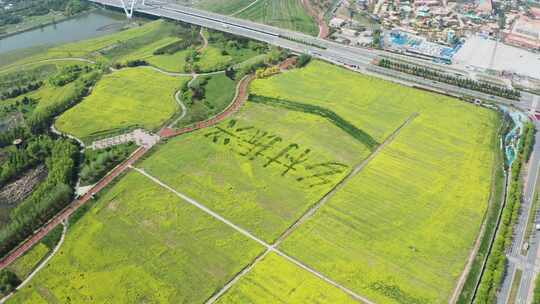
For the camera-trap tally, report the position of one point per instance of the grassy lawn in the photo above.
(25, 264)
(401, 230)
(147, 51)
(106, 48)
(141, 244)
(220, 91)
(289, 14)
(172, 63)
(129, 97)
(211, 58)
(515, 286)
(276, 280)
(238, 176)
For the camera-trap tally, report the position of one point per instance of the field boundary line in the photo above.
(311, 211)
(237, 277)
(41, 265)
(269, 248)
(465, 274)
(244, 8)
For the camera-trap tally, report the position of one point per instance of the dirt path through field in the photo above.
(269, 248)
(324, 30)
(205, 40)
(306, 216)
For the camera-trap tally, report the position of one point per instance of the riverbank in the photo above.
(51, 21)
(92, 23)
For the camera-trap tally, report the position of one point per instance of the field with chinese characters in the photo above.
(377, 188)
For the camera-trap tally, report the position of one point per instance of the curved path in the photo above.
(177, 73)
(41, 265)
(205, 41)
(182, 106)
(324, 30)
(239, 99)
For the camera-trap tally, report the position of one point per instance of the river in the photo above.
(96, 23)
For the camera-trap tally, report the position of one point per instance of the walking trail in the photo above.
(269, 248)
(41, 265)
(324, 30)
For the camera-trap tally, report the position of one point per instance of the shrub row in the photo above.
(67, 75)
(174, 47)
(18, 91)
(496, 264)
(333, 117)
(453, 80)
(97, 163)
(267, 72)
(130, 64)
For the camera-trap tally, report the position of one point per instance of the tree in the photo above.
(502, 20)
(8, 281)
(303, 60)
(377, 38)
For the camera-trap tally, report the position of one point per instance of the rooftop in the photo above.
(488, 54)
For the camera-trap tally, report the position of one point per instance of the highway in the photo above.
(359, 59)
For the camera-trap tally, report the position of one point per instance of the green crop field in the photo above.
(289, 14)
(226, 7)
(25, 264)
(276, 280)
(270, 149)
(141, 244)
(129, 97)
(401, 230)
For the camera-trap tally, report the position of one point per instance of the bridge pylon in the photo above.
(128, 7)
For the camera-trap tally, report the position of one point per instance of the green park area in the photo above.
(404, 175)
(138, 97)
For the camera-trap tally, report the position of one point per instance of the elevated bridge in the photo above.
(359, 59)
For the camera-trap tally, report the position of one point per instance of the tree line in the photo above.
(23, 9)
(18, 91)
(497, 262)
(59, 156)
(461, 82)
(49, 197)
